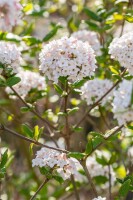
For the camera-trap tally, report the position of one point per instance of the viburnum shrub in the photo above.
(66, 100)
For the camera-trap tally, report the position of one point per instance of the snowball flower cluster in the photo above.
(10, 13)
(90, 37)
(99, 170)
(10, 56)
(93, 90)
(99, 198)
(67, 57)
(121, 49)
(29, 80)
(52, 158)
(122, 102)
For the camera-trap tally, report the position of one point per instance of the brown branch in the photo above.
(2, 127)
(40, 187)
(75, 188)
(99, 100)
(32, 110)
(83, 163)
(117, 130)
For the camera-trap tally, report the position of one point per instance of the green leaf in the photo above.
(77, 129)
(12, 81)
(51, 33)
(46, 171)
(73, 110)
(91, 14)
(24, 109)
(76, 155)
(4, 158)
(58, 89)
(102, 160)
(129, 18)
(96, 141)
(36, 132)
(80, 83)
(112, 159)
(125, 188)
(27, 130)
(2, 81)
(89, 147)
(29, 40)
(58, 178)
(93, 26)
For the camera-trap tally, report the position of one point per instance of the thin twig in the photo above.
(2, 127)
(32, 110)
(75, 188)
(40, 187)
(47, 124)
(103, 117)
(116, 131)
(98, 101)
(83, 163)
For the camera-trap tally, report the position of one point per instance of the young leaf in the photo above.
(58, 89)
(51, 33)
(12, 81)
(91, 14)
(76, 155)
(89, 147)
(125, 188)
(27, 130)
(4, 158)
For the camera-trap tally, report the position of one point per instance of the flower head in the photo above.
(10, 13)
(10, 56)
(93, 90)
(29, 80)
(121, 49)
(122, 102)
(90, 37)
(52, 158)
(99, 198)
(67, 57)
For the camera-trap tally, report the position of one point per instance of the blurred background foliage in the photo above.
(45, 20)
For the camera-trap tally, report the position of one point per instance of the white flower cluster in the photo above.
(10, 14)
(121, 49)
(10, 56)
(122, 102)
(130, 154)
(90, 37)
(93, 90)
(67, 57)
(52, 158)
(97, 169)
(29, 80)
(99, 198)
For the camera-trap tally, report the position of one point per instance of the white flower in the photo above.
(97, 169)
(29, 80)
(10, 56)
(91, 37)
(93, 90)
(52, 158)
(122, 102)
(10, 13)
(121, 49)
(99, 198)
(67, 57)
